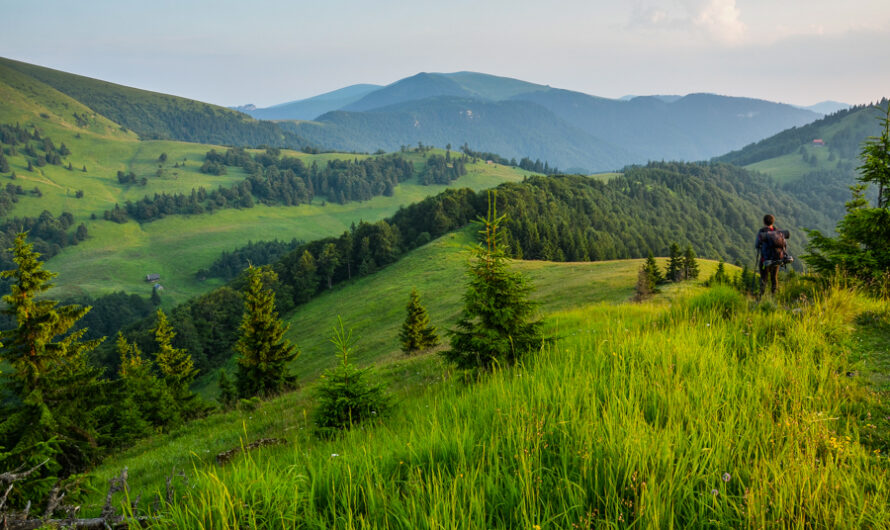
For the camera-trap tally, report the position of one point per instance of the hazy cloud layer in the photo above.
(270, 51)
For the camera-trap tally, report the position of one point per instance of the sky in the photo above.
(268, 52)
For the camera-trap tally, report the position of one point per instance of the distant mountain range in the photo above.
(517, 119)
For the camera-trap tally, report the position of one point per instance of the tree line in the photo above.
(273, 180)
(525, 163)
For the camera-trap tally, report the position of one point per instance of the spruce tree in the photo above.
(305, 278)
(861, 250)
(690, 266)
(345, 396)
(48, 412)
(652, 270)
(417, 333)
(263, 351)
(495, 325)
(175, 364)
(151, 395)
(720, 276)
(675, 265)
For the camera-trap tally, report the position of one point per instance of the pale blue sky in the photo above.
(268, 52)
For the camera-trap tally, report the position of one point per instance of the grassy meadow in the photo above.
(697, 409)
(374, 307)
(787, 168)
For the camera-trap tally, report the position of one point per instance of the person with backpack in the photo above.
(771, 253)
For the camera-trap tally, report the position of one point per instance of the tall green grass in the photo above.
(700, 414)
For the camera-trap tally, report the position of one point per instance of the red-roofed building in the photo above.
(818, 141)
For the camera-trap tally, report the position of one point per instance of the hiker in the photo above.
(770, 245)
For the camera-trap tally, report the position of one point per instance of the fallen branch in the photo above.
(226, 456)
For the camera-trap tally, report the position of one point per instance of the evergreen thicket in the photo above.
(50, 397)
(417, 333)
(861, 249)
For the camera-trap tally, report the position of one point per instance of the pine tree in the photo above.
(690, 266)
(155, 297)
(49, 409)
(151, 395)
(417, 333)
(861, 249)
(675, 265)
(305, 278)
(345, 397)
(263, 352)
(175, 364)
(719, 276)
(653, 271)
(495, 326)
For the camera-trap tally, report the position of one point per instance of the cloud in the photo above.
(718, 20)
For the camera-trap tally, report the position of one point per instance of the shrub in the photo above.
(345, 396)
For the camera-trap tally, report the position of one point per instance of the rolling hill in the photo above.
(487, 111)
(157, 116)
(435, 270)
(119, 256)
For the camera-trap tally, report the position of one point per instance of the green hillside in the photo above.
(374, 307)
(159, 116)
(119, 256)
(818, 173)
(636, 413)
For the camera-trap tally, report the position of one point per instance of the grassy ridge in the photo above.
(374, 307)
(703, 413)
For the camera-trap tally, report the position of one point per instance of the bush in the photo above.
(345, 396)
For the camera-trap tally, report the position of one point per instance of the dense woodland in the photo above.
(230, 264)
(274, 180)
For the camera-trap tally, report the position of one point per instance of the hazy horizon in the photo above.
(272, 52)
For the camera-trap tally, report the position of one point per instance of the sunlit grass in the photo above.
(638, 415)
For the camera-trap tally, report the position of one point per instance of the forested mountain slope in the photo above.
(548, 123)
(816, 162)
